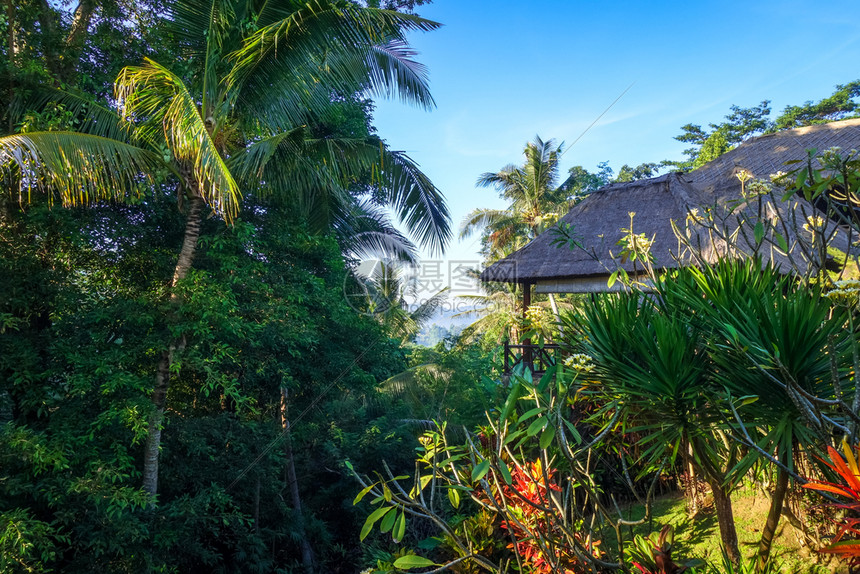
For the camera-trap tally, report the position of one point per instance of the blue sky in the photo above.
(504, 71)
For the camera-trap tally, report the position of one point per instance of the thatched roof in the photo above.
(598, 219)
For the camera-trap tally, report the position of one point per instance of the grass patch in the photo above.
(699, 536)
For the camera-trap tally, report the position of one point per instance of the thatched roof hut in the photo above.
(597, 221)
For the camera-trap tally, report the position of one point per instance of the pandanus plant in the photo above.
(737, 364)
(231, 120)
(650, 361)
(778, 350)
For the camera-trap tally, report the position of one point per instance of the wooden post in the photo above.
(527, 301)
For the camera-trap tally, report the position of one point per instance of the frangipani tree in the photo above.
(232, 121)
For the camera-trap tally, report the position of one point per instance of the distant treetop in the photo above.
(744, 123)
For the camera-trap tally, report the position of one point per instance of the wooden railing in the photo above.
(536, 358)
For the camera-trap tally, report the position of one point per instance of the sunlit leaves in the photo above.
(81, 168)
(336, 47)
(411, 561)
(159, 104)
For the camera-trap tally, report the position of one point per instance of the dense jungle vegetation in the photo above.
(194, 377)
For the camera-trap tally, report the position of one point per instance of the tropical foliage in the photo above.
(148, 348)
(846, 542)
(236, 123)
(536, 200)
(743, 123)
(186, 383)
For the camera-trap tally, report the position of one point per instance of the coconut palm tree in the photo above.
(536, 200)
(231, 120)
(385, 293)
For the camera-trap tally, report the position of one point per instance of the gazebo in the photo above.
(597, 221)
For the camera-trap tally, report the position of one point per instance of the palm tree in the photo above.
(498, 314)
(495, 313)
(237, 124)
(536, 200)
(385, 294)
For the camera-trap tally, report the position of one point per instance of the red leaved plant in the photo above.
(529, 492)
(846, 543)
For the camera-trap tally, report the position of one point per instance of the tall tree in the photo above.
(740, 124)
(743, 123)
(536, 200)
(234, 123)
(840, 105)
(580, 182)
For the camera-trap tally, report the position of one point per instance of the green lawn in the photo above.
(698, 537)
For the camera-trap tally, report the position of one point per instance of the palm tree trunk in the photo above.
(80, 23)
(555, 314)
(722, 501)
(307, 551)
(153, 437)
(257, 506)
(725, 519)
(13, 41)
(189, 243)
(776, 503)
(48, 23)
(162, 372)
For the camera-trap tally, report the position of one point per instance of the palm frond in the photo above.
(418, 203)
(482, 304)
(324, 47)
(389, 71)
(312, 175)
(389, 243)
(250, 166)
(365, 230)
(409, 390)
(425, 311)
(200, 26)
(309, 167)
(541, 167)
(80, 168)
(94, 118)
(155, 99)
(482, 218)
(398, 383)
(506, 176)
